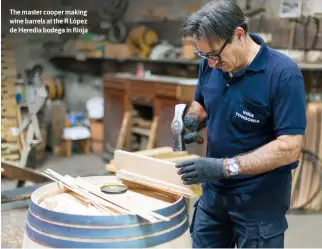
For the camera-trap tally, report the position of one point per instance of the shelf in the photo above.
(303, 66)
(84, 59)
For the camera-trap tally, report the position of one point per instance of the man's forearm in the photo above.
(282, 151)
(196, 110)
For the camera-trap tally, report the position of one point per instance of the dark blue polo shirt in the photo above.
(251, 109)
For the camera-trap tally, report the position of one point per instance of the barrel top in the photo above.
(51, 197)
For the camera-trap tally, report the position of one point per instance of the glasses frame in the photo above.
(211, 55)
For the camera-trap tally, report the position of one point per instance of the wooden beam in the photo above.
(13, 170)
(181, 158)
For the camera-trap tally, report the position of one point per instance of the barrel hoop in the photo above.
(138, 242)
(100, 219)
(104, 233)
(102, 226)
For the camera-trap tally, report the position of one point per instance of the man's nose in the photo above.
(212, 63)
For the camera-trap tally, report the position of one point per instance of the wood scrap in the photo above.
(126, 124)
(153, 132)
(91, 199)
(153, 172)
(13, 170)
(102, 201)
(141, 131)
(142, 123)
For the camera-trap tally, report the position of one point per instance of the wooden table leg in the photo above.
(87, 146)
(68, 147)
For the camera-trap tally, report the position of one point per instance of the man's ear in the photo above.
(240, 33)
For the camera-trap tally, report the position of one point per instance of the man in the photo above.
(252, 100)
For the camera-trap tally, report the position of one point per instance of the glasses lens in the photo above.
(205, 56)
(197, 52)
(215, 57)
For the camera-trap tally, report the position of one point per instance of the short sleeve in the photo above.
(288, 107)
(198, 93)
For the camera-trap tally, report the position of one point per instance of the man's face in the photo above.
(221, 55)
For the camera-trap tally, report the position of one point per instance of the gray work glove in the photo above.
(201, 169)
(194, 125)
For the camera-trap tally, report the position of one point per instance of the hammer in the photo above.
(178, 129)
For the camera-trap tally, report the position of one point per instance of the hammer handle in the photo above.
(200, 140)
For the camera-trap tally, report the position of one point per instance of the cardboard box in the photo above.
(116, 50)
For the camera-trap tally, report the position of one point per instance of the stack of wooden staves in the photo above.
(90, 194)
(10, 146)
(307, 178)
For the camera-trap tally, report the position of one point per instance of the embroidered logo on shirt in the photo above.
(247, 116)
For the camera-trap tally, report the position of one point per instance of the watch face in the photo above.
(233, 167)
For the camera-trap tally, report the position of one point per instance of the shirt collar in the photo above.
(260, 60)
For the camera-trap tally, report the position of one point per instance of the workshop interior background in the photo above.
(115, 87)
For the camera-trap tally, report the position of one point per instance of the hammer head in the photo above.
(178, 128)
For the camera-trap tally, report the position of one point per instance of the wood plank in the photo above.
(160, 153)
(9, 112)
(9, 148)
(124, 130)
(14, 171)
(153, 132)
(11, 157)
(182, 158)
(141, 131)
(154, 151)
(142, 123)
(9, 102)
(153, 172)
(173, 156)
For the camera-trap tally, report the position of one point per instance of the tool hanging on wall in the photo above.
(54, 88)
(112, 10)
(141, 41)
(117, 32)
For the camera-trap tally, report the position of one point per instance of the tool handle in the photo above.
(199, 140)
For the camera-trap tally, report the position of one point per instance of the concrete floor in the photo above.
(305, 230)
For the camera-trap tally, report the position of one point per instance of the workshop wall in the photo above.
(165, 16)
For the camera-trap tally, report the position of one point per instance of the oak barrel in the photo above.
(57, 218)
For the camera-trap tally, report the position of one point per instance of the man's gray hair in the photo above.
(215, 21)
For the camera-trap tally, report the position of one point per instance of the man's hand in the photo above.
(201, 169)
(194, 121)
(194, 125)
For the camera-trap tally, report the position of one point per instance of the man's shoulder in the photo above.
(282, 64)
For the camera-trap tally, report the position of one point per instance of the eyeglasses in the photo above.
(211, 55)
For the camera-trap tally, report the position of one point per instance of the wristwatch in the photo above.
(232, 166)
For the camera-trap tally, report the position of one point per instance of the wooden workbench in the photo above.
(161, 93)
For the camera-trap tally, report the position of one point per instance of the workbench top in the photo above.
(156, 78)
